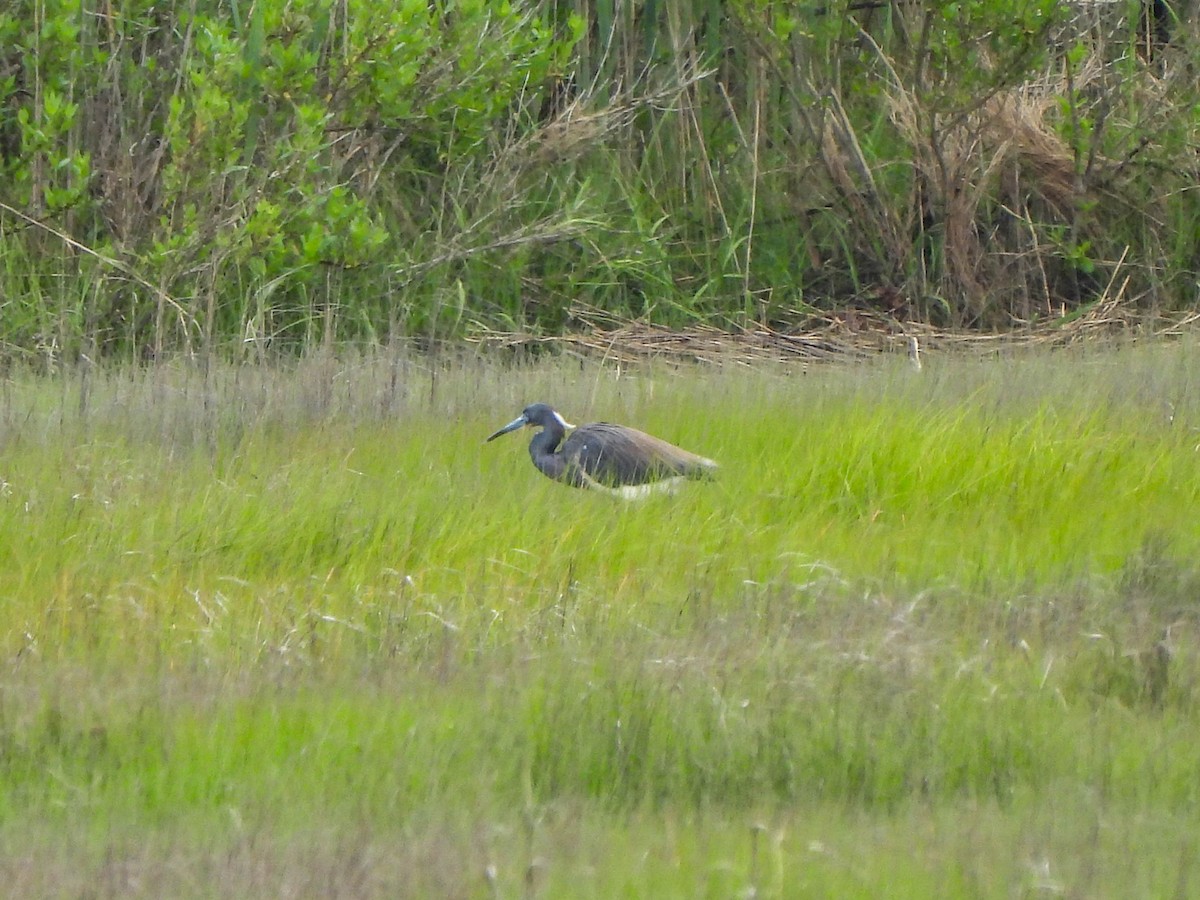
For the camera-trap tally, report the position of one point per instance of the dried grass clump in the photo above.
(1035, 157)
(990, 182)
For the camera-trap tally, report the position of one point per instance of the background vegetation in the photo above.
(235, 174)
(295, 631)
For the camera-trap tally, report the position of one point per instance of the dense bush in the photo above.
(275, 173)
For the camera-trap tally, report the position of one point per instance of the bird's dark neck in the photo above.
(542, 448)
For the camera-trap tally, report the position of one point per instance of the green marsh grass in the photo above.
(297, 631)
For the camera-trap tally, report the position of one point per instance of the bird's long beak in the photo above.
(516, 423)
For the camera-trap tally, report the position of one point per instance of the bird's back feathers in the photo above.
(619, 455)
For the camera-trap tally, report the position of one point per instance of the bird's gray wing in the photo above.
(617, 455)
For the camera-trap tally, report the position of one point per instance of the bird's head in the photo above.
(537, 414)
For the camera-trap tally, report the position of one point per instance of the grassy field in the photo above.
(296, 631)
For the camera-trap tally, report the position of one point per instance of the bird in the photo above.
(601, 456)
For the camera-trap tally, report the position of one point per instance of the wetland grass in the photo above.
(298, 632)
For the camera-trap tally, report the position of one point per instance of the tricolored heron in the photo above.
(613, 458)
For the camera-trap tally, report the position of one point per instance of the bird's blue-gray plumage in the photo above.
(603, 455)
